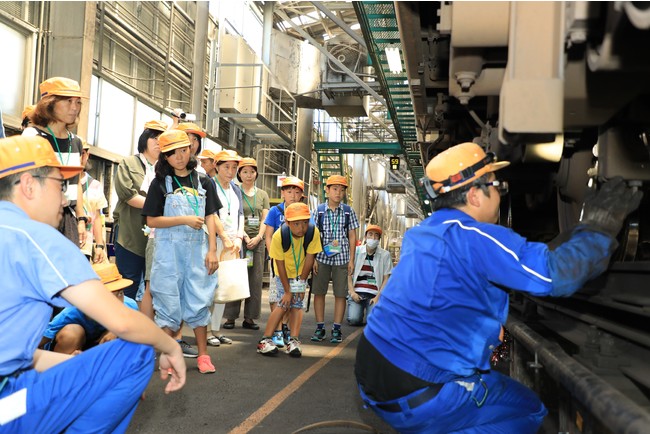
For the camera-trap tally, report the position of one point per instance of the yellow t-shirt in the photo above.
(289, 263)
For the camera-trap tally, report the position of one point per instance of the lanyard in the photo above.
(370, 263)
(187, 194)
(224, 193)
(299, 261)
(56, 143)
(335, 225)
(254, 201)
(86, 195)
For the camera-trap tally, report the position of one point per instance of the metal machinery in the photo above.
(561, 90)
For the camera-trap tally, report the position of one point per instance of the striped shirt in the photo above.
(366, 281)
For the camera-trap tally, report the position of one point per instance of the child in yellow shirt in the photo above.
(293, 262)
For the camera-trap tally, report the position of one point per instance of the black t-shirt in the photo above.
(69, 150)
(154, 205)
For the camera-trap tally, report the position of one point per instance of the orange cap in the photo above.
(374, 228)
(337, 180)
(296, 211)
(193, 128)
(206, 153)
(27, 111)
(173, 139)
(155, 125)
(460, 165)
(247, 161)
(290, 181)
(227, 155)
(60, 86)
(111, 277)
(22, 153)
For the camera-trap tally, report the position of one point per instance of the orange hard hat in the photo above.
(374, 228)
(292, 181)
(247, 161)
(193, 128)
(459, 166)
(297, 211)
(206, 153)
(173, 139)
(226, 155)
(27, 111)
(60, 86)
(111, 277)
(22, 153)
(337, 180)
(155, 125)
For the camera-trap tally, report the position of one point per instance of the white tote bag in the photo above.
(232, 280)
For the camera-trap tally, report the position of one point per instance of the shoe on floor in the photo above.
(337, 336)
(266, 347)
(277, 338)
(293, 348)
(224, 340)
(213, 341)
(205, 365)
(319, 335)
(230, 324)
(188, 350)
(250, 325)
(286, 335)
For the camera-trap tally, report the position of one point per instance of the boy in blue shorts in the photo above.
(293, 263)
(72, 331)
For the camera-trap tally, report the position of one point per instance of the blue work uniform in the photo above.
(96, 391)
(181, 287)
(441, 312)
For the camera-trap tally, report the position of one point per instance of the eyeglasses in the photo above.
(64, 182)
(501, 186)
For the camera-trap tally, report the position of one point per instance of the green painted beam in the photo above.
(391, 148)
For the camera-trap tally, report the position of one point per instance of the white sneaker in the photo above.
(266, 347)
(293, 349)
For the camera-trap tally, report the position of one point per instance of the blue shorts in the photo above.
(296, 303)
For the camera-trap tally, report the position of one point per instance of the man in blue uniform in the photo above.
(43, 391)
(423, 361)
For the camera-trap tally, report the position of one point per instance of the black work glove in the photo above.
(606, 209)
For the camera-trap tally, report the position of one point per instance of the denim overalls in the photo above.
(181, 288)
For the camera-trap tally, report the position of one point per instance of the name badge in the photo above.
(228, 221)
(297, 286)
(372, 282)
(331, 250)
(254, 222)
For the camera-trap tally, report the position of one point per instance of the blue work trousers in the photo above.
(94, 392)
(507, 407)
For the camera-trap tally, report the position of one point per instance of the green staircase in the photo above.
(330, 162)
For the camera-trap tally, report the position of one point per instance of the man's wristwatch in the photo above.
(83, 218)
(99, 246)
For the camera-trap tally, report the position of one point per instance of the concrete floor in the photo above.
(259, 394)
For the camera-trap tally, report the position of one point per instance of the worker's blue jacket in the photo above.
(440, 314)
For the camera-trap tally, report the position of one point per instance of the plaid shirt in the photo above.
(331, 232)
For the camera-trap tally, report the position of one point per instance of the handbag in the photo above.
(232, 278)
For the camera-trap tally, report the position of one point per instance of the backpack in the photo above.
(285, 232)
(347, 210)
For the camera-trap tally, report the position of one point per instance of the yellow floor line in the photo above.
(275, 401)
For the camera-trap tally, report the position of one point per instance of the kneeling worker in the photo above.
(423, 363)
(42, 391)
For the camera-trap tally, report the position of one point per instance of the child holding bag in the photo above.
(182, 206)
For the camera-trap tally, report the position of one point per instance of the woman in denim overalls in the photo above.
(181, 206)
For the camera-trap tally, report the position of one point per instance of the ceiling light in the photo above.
(394, 60)
(355, 26)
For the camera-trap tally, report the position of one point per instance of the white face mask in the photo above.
(372, 243)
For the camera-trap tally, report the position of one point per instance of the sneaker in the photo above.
(205, 365)
(337, 336)
(319, 335)
(188, 350)
(224, 340)
(266, 347)
(213, 341)
(278, 339)
(286, 336)
(293, 348)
